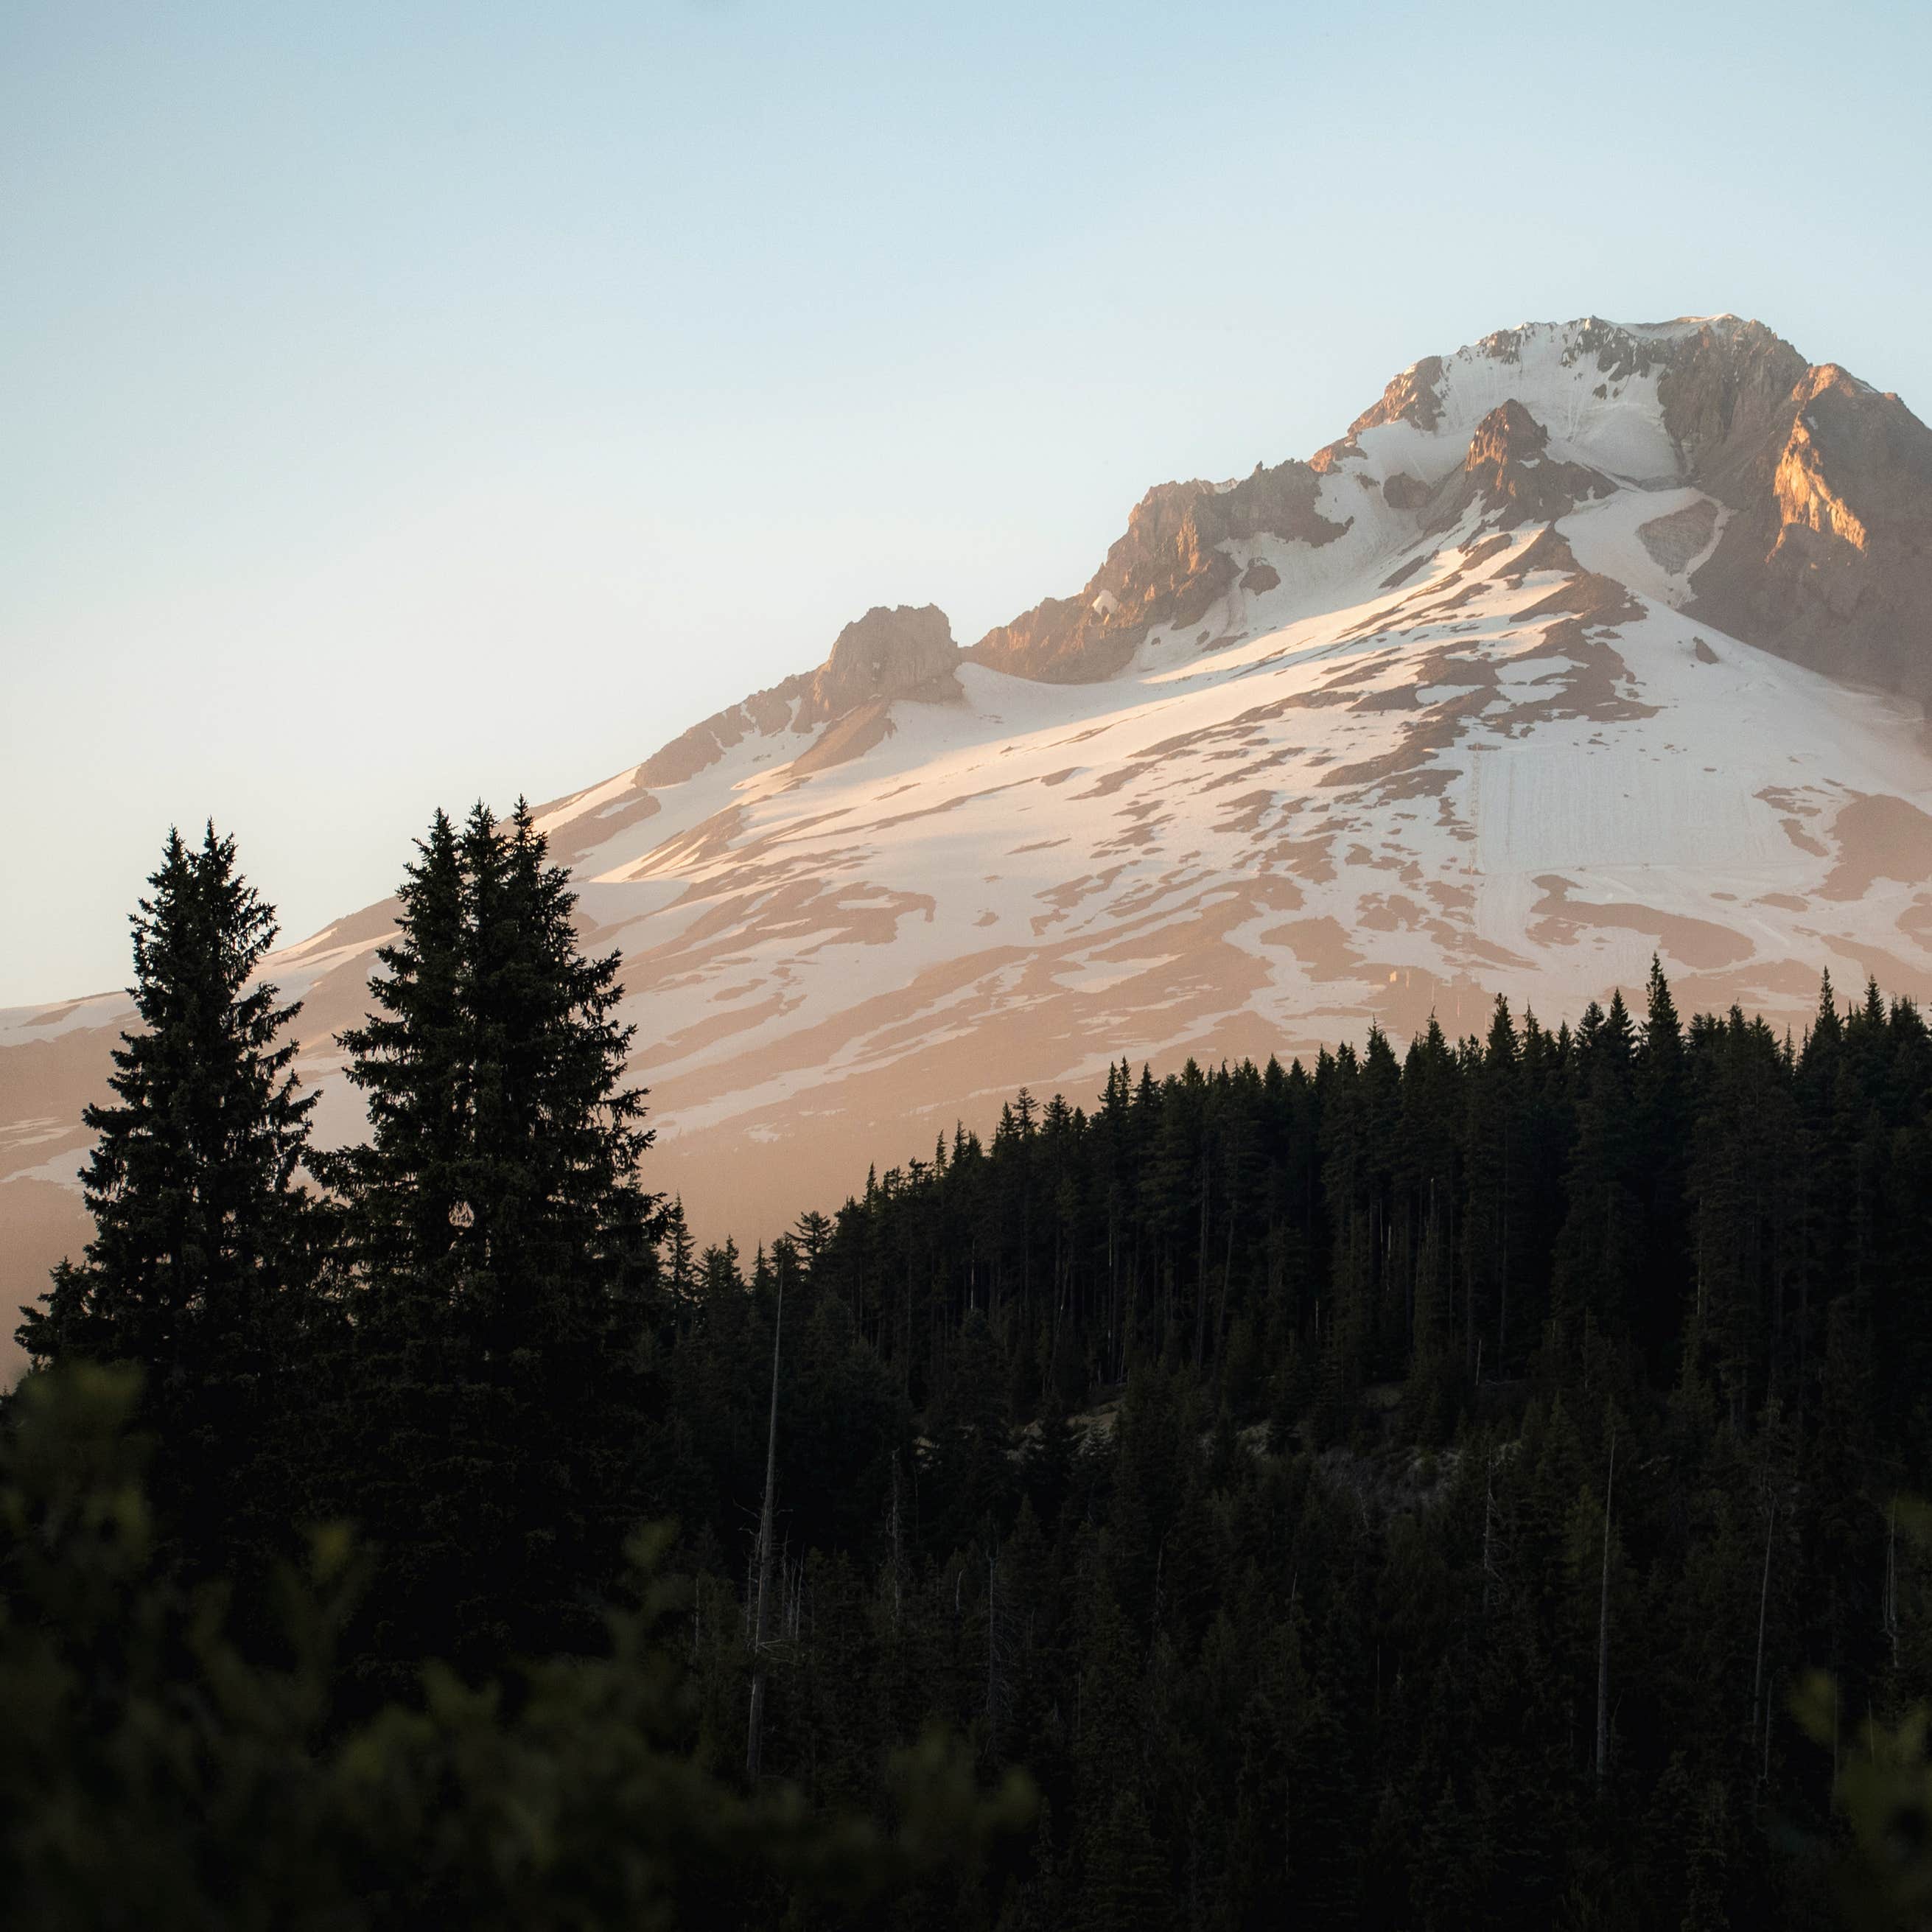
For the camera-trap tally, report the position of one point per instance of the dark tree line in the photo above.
(1324, 1610)
(1408, 1490)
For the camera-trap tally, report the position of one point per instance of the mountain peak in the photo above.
(1485, 697)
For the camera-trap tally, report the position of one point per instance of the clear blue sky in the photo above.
(400, 404)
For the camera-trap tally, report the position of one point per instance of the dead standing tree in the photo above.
(1604, 1626)
(767, 1539)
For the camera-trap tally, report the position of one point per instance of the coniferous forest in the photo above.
(1474, 1485)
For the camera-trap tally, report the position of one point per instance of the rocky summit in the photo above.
(1585, 643)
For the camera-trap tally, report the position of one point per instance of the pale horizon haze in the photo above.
(400, 404)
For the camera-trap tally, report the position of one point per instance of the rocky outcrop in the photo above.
(1410, 397)
(901, 653)
(1675, 540)
(1170, 568)
(1827, 558)
(885, 654)
(1725, 391)
(1509, 470)
(1415, 397)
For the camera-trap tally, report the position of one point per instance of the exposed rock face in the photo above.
(1826, 556)
(886, 653)
(1169, 568)
(1673, 541)
(1725, 391)
(1828, 559)
(1410, 397)
(901, 653)
(1720, 402)
(1414, 397)
(1509, 471)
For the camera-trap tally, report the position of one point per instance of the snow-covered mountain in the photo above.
(1585, 642)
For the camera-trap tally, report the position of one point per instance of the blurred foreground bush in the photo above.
(152, 1776)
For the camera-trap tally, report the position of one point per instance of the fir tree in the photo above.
(199, 1222)
(502, 1247)
(204, 1253)
(408, 1186)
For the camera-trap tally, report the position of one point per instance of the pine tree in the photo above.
(205, 1244)
(1599, 1254)
(199, 1222)
(504, 1251)
(1495, 1231)
(1663, 1107)
(561, 1225)
(971, 1477)
(408, 1186)
(680, 1253)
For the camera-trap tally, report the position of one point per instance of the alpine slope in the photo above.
(1587, 642)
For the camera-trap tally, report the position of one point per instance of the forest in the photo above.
(1474, 1485)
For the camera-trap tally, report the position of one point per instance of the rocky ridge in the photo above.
(1170, 568)
(1584, 642)
(1828, 560)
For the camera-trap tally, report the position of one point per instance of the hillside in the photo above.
(1586, 643)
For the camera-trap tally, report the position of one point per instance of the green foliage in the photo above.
(1235, 1459)
(203, 1266)
(498, 1262)
(1881, 1775)
(198, 1222)
(154, 1775)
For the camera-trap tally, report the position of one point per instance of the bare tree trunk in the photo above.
(895, 1540)
(1117, 1286)
(1502, 1278)
(755, 1744)
(1472, 1347)
(992, 1654)
(1488, 1529)
(1603, 1627)
(1221, 1319)
(1200, 1273)
(1763, 1599)
(1888, 1603)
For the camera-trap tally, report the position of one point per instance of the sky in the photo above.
(400, 404)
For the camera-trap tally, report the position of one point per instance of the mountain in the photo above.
(1585, 642)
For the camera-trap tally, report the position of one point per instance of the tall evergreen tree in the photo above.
(206, 1242)
(1599, 1254)
(503, 1251)
(561, 1227)
(199, 1216)
(1663, 1107)
(1495, 1233)
(407, 1186)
